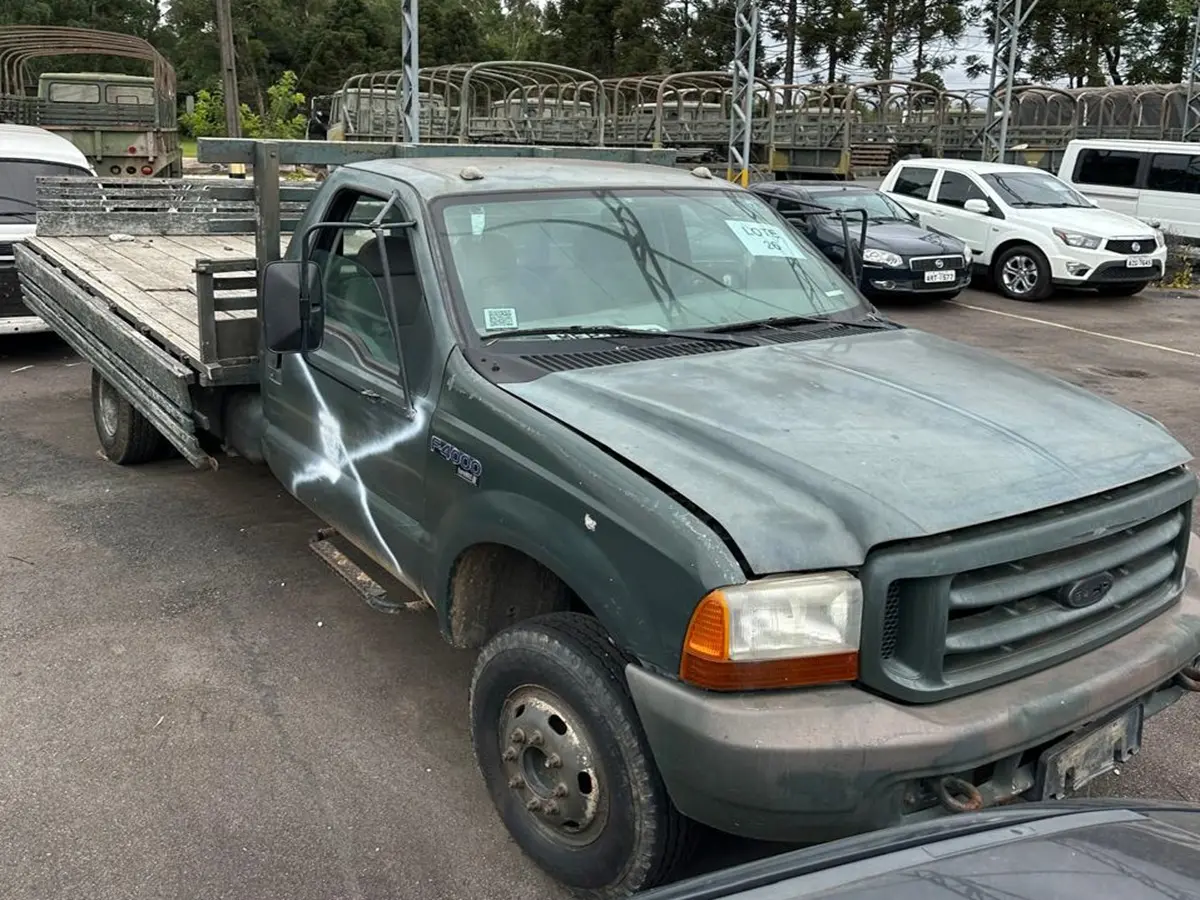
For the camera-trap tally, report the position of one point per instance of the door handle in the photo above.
(371, 395)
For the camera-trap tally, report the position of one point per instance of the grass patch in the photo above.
(188, 146)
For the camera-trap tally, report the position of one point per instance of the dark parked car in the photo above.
(1078, 850)
(900, 256)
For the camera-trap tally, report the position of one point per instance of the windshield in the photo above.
(1034, 189)
(877, 206)
(652, 259)
(18, 185)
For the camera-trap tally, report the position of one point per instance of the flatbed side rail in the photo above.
(171, 206)
(154, 382)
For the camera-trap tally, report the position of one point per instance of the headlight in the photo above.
(778, 632)
(883, 258)
(1076, 239)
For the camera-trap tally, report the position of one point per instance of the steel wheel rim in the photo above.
(1020, 274)
(550, 763)
(109, 408)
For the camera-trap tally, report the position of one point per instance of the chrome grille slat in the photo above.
(1041, 573)
(1022, 620)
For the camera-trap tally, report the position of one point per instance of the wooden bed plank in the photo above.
(171, 326)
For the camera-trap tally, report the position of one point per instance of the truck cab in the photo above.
(120, 122)
(730, 547)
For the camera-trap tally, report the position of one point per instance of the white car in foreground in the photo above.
(1027, 229)
(25, 153)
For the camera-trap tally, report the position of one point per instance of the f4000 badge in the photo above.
(469, 468)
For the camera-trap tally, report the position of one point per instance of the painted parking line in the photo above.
(1099, 334)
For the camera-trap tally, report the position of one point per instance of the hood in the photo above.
(1063, 854)
(11, 231)
(910, 240)
(810, 453)
(1099, 222)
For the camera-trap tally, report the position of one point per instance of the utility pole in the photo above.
(741, 118)
(229, 85)
(410, 100)
(1191, 112)
(1010, 16)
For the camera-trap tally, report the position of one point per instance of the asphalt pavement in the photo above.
(194, 706)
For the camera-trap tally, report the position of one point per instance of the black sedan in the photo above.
(900, 255)
(1077, 850)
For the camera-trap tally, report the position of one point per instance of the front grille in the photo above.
(1131, 246)
(10, 294)
(925, 263)
(958, 613)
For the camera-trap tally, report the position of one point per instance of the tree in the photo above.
(605, 37)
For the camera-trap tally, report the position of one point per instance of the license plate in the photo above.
(934, 277)
(1139, 262)
(1068, 766)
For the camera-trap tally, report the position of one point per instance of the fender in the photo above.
(563, 547)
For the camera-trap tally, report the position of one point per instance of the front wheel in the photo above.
(566, 763)
(1023, 273)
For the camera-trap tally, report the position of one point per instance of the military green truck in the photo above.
(125, 124)
(731, 547)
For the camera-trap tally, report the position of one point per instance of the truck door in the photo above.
(342, 433)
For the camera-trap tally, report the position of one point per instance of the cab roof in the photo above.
(30, 142)
(442, 176)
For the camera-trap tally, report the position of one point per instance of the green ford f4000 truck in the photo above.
(732, 547)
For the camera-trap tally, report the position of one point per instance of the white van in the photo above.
(1157, 182)
(25, 153)
(1027, 229)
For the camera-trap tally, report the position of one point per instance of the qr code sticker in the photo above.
(497, 318)
(764, 240)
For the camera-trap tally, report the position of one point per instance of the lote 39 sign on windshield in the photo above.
(761, 239)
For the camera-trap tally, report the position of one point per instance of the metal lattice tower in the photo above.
(1191, 115)
(1010, 16)
(745, 49)
(410, 101)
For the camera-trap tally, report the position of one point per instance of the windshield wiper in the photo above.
(14, 213)
(784, 321)
(619, 331)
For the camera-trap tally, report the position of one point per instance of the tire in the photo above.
(1122, 290)
(550, 710)
(126, 436)
(1013, 268)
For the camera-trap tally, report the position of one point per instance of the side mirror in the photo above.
(976, 205)
(293, 308)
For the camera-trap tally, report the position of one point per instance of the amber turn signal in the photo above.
(707, 661)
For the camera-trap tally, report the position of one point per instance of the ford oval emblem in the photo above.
(939, 264)
(1086, 592)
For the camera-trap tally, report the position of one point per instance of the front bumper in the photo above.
(1081, 268)
(822, 763)
(880, 282)
(15, 316)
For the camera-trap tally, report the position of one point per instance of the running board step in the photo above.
(350, 572)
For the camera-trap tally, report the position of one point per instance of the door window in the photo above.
(358, 328)
(956, 189)
(1108, 168)
(1175, 172)
(914, 181)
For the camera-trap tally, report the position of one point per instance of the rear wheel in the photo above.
(1023, 273)
(1122, 290)
(566, 763)
(126, 436)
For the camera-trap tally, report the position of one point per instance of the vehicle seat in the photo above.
(412, 314)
